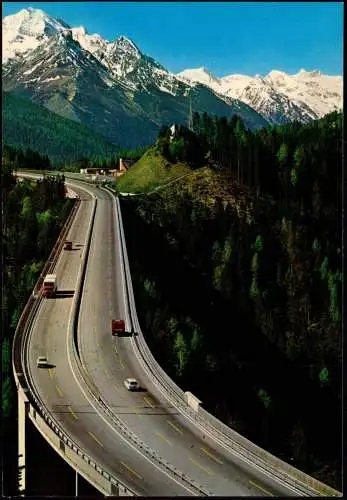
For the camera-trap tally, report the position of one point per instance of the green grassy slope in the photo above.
(149, 172)
(29, 125)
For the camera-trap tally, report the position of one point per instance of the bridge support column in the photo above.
(23, 408)
(123, 492)
(76, 484)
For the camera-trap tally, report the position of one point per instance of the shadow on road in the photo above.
(63, 294)
(124, 334)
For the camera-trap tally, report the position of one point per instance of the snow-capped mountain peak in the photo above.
(278, 78)
(200, 75)
(26, 30)
(277, 74)
(77, 61)
(308, 74)
(80, 31)
(94, 44)
(278, 96)
(122, 56)
(124, 44)
(32, 22)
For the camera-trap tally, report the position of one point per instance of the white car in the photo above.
(131, 384)
(41, 362)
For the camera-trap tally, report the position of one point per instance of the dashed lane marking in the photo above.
(72, 413)
(261, 488)
(147, 400)
(209, 454)
(59, 391)
(162, 437)
(136, 411)
(95, 438)
(132, 471)
(174, 427)
(121, 363)
(201, 467)
(50, 372)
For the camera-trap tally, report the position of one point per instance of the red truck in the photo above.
(49, 287)
(117, 326)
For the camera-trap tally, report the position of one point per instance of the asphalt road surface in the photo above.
(109, 361)
(63, 397)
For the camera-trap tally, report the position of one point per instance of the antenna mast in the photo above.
(190, 117)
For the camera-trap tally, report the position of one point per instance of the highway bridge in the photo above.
(155, 442)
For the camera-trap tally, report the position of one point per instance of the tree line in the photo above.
(27, 158)
(280, 161)
(111, 163)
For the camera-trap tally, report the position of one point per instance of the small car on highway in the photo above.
(41, 362)
(131, 384)
(68, 245)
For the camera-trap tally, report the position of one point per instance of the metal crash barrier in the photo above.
(45, 423)
(289, 476)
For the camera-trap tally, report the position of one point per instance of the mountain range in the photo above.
(278, 97)
(116, 90)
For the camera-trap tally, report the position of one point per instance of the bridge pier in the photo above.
(76, 484)
(23, 408)
(47, 473)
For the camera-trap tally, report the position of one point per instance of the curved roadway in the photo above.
(109, 361)
(63, 397)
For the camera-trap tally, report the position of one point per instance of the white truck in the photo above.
(49, 287)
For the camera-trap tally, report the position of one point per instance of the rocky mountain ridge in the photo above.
(113, 88)
(109, 86)
(278, 97)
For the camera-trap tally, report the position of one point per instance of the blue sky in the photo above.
(225, 38)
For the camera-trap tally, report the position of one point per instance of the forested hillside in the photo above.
(29, 125)
(239, 283)
(33, 214)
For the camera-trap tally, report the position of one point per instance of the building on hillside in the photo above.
(124, 165)
(94, 171)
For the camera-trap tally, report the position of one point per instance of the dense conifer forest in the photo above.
(237, 273)
(29, 125)
(27, 158)
(33, 214)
